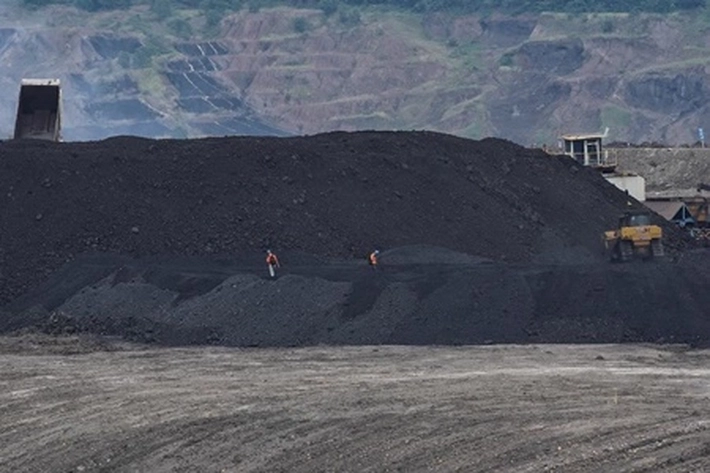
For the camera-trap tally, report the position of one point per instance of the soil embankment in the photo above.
(669, 172)
(163, 241)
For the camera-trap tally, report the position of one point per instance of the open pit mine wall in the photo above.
(667, 171)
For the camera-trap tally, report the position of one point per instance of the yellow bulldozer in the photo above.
(635, 237)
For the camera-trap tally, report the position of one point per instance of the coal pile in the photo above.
(337, 194)
(165, 239)
(420, 296)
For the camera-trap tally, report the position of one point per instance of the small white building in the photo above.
(632, 184)
(587, 150)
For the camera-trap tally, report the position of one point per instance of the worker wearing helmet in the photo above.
(372, 259)
(272, 262)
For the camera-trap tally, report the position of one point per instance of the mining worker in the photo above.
(372, 259)
(273, 262)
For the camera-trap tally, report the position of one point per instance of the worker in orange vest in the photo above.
(372, 259)
(273, 262)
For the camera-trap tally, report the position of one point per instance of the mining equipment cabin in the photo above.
(39, 110)
(587, 151)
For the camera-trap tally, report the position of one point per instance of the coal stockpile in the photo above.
(333, 195)
(420, 296)
(163, 241)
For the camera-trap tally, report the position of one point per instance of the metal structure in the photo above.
(587, 150)
(39, 110)
(635, 237)
(690, 213)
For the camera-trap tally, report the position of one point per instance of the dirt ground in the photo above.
(80, 405)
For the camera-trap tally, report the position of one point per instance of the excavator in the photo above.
(635, 237)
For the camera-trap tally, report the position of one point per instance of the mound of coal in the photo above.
(334, 195)
(419, 296)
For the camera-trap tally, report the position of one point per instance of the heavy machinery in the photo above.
(635, 237)
(39, 110)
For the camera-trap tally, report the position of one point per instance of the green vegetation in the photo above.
(162, 8)
(615, 117)
(180, 28)
(349, 18)
(470, 55)
(607, 26)
(507, 60)
(458, 6)
(300, 25)
(329, 7)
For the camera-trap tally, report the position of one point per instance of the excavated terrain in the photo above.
(105, 244)
(73, 406)
(483, 242)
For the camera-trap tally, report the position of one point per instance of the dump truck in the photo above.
(635, 237)
(39, 110)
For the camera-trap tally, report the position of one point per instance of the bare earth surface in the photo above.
(73, 405)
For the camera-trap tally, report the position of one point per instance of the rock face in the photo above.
(292, 71)
(668, 171)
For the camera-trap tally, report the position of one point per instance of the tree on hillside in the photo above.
(180, 28)
(328, 6)
(96, 5)
(162, 8)
(41, 3)
(300, 25)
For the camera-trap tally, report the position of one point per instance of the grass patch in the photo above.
(150, 83)
(414, 111)
(461, 107)
(469, 56)
(300, 92)
(475, 131)
(407, 27)
(479, 128)
(615, 117)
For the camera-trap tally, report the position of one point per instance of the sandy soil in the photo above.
(79, 405)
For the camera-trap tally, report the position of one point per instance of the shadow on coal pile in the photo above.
(421, 295)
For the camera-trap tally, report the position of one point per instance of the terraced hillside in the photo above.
(291, 71)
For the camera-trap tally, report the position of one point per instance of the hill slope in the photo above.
(285, 70)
